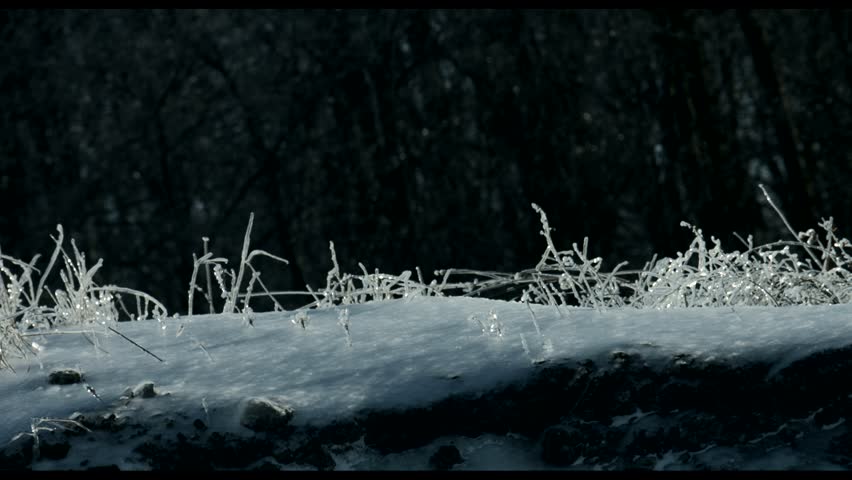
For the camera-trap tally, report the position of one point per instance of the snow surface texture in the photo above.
(403, 353)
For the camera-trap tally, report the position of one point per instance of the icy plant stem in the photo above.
(137, 293)
(545, 230)
(134, 343)
(58, 241)
(235, 288)
(204, 349)
(787, 224)
(207, 273)
(535, 322)
(191, 293)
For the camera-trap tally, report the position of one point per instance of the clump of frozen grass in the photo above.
(230, 281)
(808, 270)
(14, 290)
(19, 303)
(772, 274)
(340, 288)
(80, 301)
(811, 269)
(566, 277)
(347, 289)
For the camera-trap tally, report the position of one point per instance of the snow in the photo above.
(404, 352)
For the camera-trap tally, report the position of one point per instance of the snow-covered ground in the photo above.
(405, 352)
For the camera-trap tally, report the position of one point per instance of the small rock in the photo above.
(18, 453)
(53, 446)
(445, 457)
(75, 429)
(64, 377)
(145, 390)
(199, 424)
(266, 415)
(108, 422)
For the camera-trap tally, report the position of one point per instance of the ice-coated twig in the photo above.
(134, 343)
(92, 391)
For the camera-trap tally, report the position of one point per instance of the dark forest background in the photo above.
(414, 138)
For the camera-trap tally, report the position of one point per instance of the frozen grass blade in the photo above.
(786, 223)
(231, 301)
